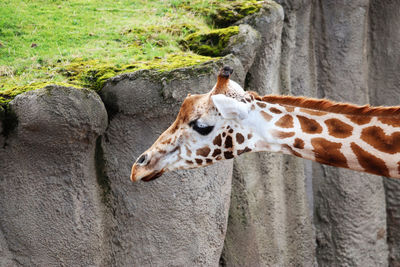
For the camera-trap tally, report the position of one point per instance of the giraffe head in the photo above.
(209, 127)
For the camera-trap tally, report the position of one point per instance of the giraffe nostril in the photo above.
(142, 159)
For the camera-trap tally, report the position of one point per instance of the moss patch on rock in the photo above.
(93, 74)
(210, 43)
(9, 94)
(231, 12)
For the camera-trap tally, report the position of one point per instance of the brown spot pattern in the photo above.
(275, 110)
(298, 143)
(395, 122)
(369, 162)
(249, 136)
(338, 129)
(289, 108)
(209, 161)
(266, 116)
(216, 152)
(230, 131)
(261, 104)
(217, 140)
(313, 112)
(398, 167)
(377, 138)
(285, 122)
(309, 125)
(328, 152)
(239, 138)
(291, 151)
(241, 151)
(228, 154)
(360, 120)
(228, 142)
(283, 135)
(199, 161)
(189, 162)
(204, 151)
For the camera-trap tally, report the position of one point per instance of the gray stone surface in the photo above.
(244, 45)
(2, 116)
(384, 89)
(179, 219)
(349, 206)
(263, 75)
(65, 194)
(50, 202)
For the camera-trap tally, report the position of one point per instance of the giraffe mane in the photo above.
(329, 106)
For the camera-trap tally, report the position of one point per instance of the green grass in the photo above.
(40, 39)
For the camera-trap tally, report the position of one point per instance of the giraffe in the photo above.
(228, 121)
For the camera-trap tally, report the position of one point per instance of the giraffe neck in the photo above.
(364, 142)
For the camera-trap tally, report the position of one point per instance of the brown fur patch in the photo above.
(395, 122)
(369, 162)
(339, 129)
(398, 167)
(228, 142)
(249, 136)
(328, 152)
(289, 108)
(313, 112)
(283, 135)
(199, 161)
(261, 104)
(167, 141)
(228, 154)
(204, 151)
(309, 125)
(360, 120)
(216, 152)
(377, 138)
(298, 143)
(221, 86)
(285, 122)
(291, 151)
(223, 134)
(189, 162)
(217, 140)
(239, 138)
(230, 131)
(188, 151)
(275, 110)
(241, 151)
(266, 116)
(208, 161)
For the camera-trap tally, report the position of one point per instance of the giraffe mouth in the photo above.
(152, 176)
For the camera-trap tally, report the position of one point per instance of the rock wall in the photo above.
(65, 194)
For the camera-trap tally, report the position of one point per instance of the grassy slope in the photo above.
(40, 40)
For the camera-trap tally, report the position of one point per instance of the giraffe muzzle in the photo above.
(141, 169)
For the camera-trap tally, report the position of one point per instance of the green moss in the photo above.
(93, 74)
(8, 94)
(230, 13)
(210, 43)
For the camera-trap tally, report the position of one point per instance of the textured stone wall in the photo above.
(65, 194)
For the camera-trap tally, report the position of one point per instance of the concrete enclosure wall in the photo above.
(65, 194)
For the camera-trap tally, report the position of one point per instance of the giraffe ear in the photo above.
(230, 108)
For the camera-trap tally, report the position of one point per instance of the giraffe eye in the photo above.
(200, 127)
